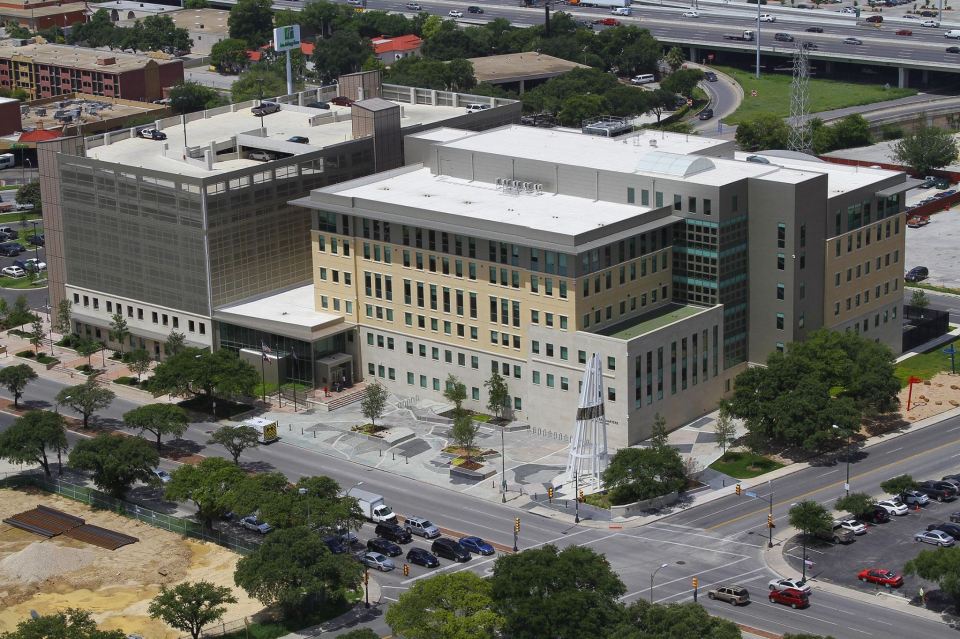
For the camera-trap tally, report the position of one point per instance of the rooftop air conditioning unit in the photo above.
(538, 188)
(653, 143)
(527, 186)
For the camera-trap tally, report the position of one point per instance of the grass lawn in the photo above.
(925, 365)
(932, 287)
(744, 465)
(22, 282)
(7, 218)
(773, 94)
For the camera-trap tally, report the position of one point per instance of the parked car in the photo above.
(384, 546)
(422, 557)
(36, 240)
(709, 76)
(454, 13)
(814, 29)
(937, 490)
(298, 139)
(643, 78)
(261, 156)
(26, 206)
(796, 584)
(342, 100)
(953, 49)
(318, 105)
(162, 475)
(378, 561)
(477, 545)
(13, 271)
(414, 6)
(265, 108)
(935, 537)
(915, 497)
(335, 544)
(783, 37)
(474, 9)
(251, 522)
(152, 134)
(11, 249)
(733, 595)
(876, 515)
(31, 264)
(10, 232)
(706, 114)
(917, 274)
(837, 535)
(950, 528)
(893, 506)
(852, 525)
(955, 517)
(852, 41)
(881, 576)
(422, 527)
(450, 549)
(904, 32)
(392, 532)
(790, 597)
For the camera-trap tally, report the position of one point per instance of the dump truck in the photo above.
(744, 36)
(373, 506)
(266, 429)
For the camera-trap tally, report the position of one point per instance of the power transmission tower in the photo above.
(800, 134)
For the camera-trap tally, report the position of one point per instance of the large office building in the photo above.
(167, 232)
(522, 250)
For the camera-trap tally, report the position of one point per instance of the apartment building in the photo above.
(168, 232)
(675, 258)
(47, 70)
(42, 14)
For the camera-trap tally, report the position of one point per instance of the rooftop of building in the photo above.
(290, 312)
(512, 67)
(652, 321)
(193, 20)
(64, 55)
(322, 127)
(139, 8)
(879, 153)
(42, 12)
(92, 108)
(840, 177)
(384, 44)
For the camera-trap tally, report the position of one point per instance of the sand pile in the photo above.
(41, 560)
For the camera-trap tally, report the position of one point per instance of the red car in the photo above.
(608, 22)
(905, 32)
(342, 101)
(790, 597)
(881, 576)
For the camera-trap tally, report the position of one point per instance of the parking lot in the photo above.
(934, 245)
(887, 545)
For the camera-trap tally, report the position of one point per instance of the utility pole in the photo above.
(758, 39)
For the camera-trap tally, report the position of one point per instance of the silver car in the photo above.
(422, 527)
(935, 537)
(378, 561)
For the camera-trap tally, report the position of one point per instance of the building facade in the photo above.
(677, 260)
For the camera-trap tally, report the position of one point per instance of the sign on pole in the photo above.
(286, 38)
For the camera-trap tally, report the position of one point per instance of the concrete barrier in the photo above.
(639, 507)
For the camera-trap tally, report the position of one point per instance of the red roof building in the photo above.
(390, 49)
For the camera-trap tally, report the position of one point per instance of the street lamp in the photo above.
(847, 455)
(576, 495)
(366, 585)
(662, 566)
(503, 466)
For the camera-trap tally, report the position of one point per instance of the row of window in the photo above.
(887, 316)
(688, 356)
(605, 281)
(862, 238)
(347, 305)
(855, 300)
(156, 317)
(335, 276)
(706, 206)
(864, 269)
(607, 314)
(859, 214)
(548, 350)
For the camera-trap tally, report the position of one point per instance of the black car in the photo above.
(815, 29)
(955, 517)
(11, 249)
(917, 274)
(318, 105)
(935, 491)
(265, 108)
(450, 549)
(877, 515)
(384, 547)
(706, 114)
(35, 240)
(422, 557)
(474, 10)
(710, 76)
(783, 37)
(953, 49)
(298, 139)
(335, 544)
(951, 529)
(393, 532)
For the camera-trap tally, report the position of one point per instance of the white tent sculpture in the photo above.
(588, 448)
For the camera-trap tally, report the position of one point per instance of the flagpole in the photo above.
(296, 373)
(263, 378)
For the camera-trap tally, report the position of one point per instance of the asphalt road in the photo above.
(938, 301)
(718, 542)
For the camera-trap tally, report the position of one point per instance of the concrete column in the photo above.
(828, 67)
(924, 76)
(522, 86)
(695, 55)
(903, 77)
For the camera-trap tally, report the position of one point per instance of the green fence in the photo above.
(104, 501)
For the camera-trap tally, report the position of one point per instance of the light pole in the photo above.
(36, 247)
(662, 566)
(770, 523)
(576, 496)
(758, 39)
(846, 486)
(503, 466)
(366, 585)
(803, 537)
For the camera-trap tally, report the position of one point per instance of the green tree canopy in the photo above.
(175, 343)
(188, 97)
(189, 606)
(119, 329)
(158, 419)
(898, 485)
(457, 605)
(116, 461)
(856, 504)
(683, 81)
(97, 32)
(71, 623)
(235, 439)
(464, 432)
(29, 193)
(927, 148)
(763, 131)
(577, 108)
(139, 362)
(562, 594)
(941, 565)
(86, 399)
(341, 53)
(810, 517)
(229, 55)
(455, 392)
(15, 379)
(498, 394)
(314, 502)
(851, 131)
(374, 401)
(200, 372)
(252, 22)
(32, 436)
(672, 621)
(207, 484)
(294, 569)
(248, 85)
(644, 473)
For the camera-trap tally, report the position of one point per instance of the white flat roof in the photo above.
(841, 178)
(279, 126)
(290, 313)
(484, 201)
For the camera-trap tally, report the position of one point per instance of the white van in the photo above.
(643, 78)
(952, 33)
(7, 160)
(622, 11)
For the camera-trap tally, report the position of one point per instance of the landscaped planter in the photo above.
(639, 507)
(485, 471)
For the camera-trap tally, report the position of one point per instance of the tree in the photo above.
(63, 323)
(898, 485)
(635, 474)
(116, 461)
(71, 623)
(20, 314)
(119, 329)
(359, 633)
(235, 439)
(37, 334)
(683, 81)
(87, 347)
(294, 569)
(658, 432)
(200, 372)
(30, 437)
(139, 362)
(927, 148)
(314, 502)
(856, 504)
(252, 22)
(724, 428)
(464, 432)
(851, 131)
(763, 131)
(343, 52)
(561, 594)
(642, 620)
(941, 565)
(158, 419)
(577, 108)
(675, 58)
(86, 399)
(175, 343)
(661, 100)
(229, 55)
(188, 97)
(919, 298)
(810, 517)
(207, 485)
(29, 193)
(161, 33)
(374, 402)
(195, 4)
(15, 379)
(190, 606)
(498, 395)
(455, 393)
(452, 605)
(258, 81)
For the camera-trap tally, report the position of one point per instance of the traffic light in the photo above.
(406, 570)
(770, 521)
(738, 490)
(516, 525)
(580, 496)
(550, 493)
(696, 582)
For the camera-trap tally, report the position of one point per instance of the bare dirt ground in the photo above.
(47, 575)
(931, 397)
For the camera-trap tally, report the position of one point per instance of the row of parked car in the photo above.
(389, 535)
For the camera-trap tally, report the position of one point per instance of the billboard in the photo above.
(286, 38)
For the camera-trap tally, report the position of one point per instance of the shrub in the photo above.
(27, 354)
(43, 358)
(126, 381)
